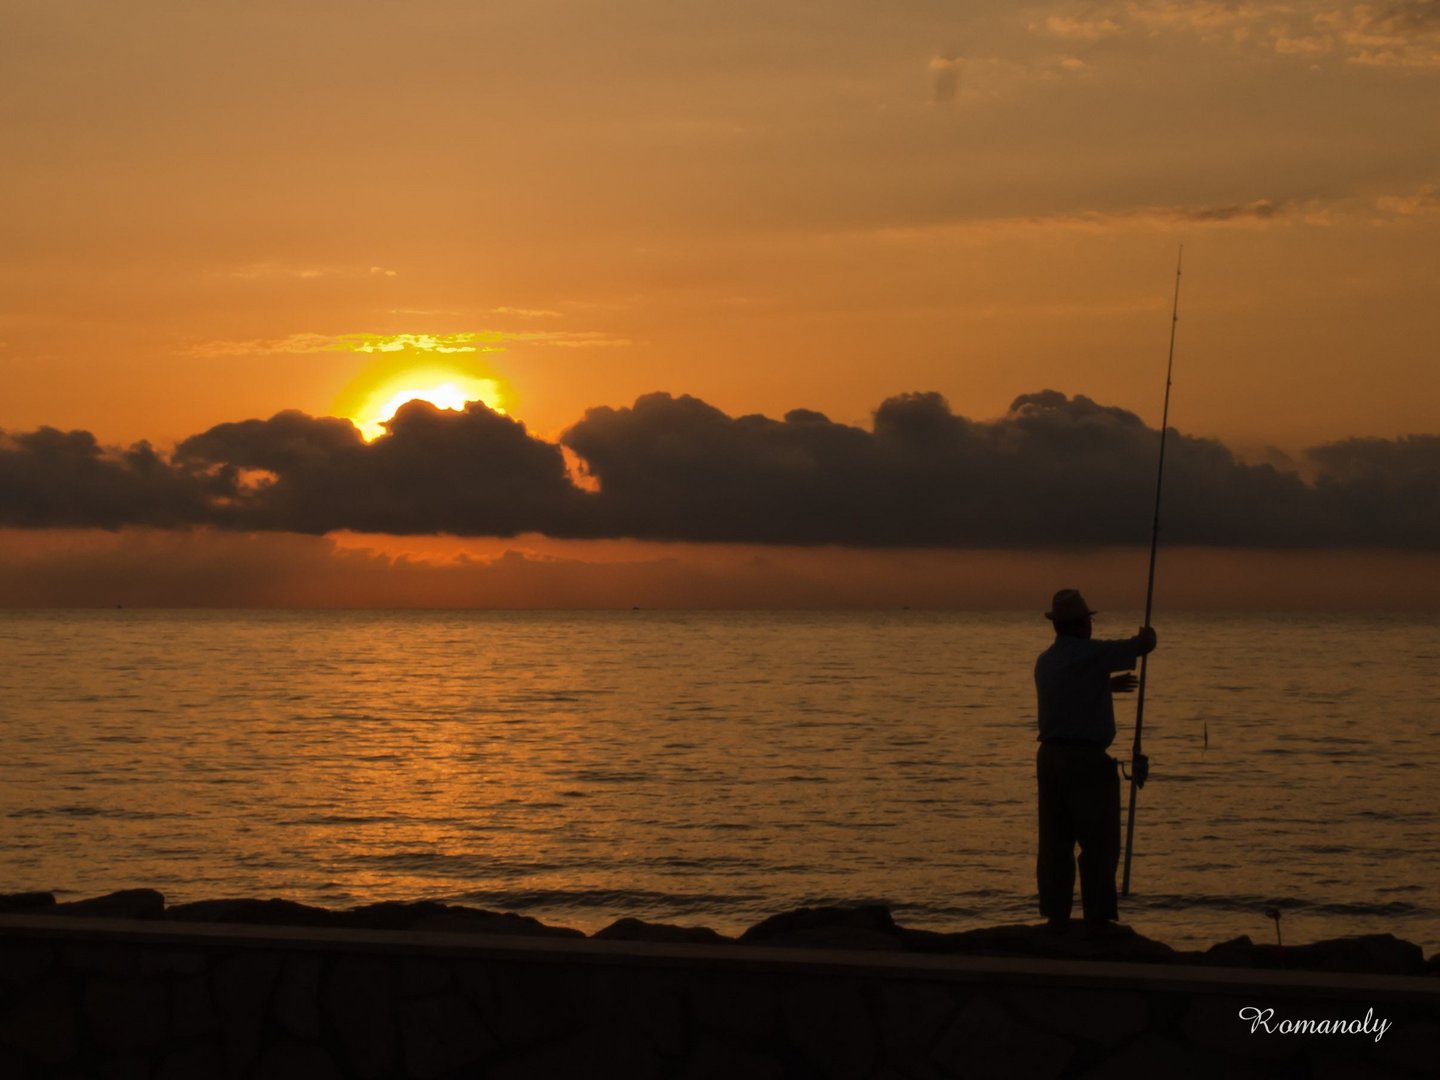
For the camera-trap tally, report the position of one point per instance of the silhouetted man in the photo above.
(1079, 786)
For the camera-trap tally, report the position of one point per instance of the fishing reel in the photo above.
(1137, 769)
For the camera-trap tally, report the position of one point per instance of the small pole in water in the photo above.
(1150, 587)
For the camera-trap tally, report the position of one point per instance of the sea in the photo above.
(711, 768)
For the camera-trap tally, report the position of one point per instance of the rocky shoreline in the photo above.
(860, 927)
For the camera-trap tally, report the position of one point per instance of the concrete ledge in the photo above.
(760, 959)
(166, 1000)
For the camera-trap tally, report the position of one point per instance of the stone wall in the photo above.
(119, 998)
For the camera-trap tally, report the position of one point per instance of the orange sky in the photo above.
(206, 207)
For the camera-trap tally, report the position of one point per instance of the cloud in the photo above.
(1055, 472)
(61, 478)
(468, 341)
(1249, 214)
(946, 73)
(475, 472)
(142, 567)
(1402, 33)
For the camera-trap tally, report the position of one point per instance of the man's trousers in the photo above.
(1079, 803)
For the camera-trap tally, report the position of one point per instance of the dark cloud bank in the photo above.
(1055, 471)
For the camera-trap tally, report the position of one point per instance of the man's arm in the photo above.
(1122, 655)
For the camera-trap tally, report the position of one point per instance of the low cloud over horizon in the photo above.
(1055, 472)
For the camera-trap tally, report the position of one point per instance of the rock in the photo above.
(356, 1002)
(25, 903)
(41, 1023)
(274, 912)
(1107, 1017)
(432, 916)
(442, 1034)
(243, 983)
(638, 930)
(1117, 942)
(1236, 952)
(130, 1014)
(864, 927)
(1369, 954)
(126, 904)
(984, 1041)
(825, 1020)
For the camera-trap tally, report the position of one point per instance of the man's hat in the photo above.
(1068, 604)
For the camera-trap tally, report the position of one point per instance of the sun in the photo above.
(375, 396)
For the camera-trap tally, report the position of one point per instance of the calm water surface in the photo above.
(709, 768)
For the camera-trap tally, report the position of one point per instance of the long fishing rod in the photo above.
(1135, 755)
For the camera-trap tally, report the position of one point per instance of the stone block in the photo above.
(737, 1005)
(644, 1005)
(912, 1016)
(296, 1005)
(99, 958)
(126, 1014)
(24, 962)
(123, 1066)
(289, 1060)
(14, 1066)
(192, 1009)
(191, 1061)
(535, 1003)
(827, 1022)
(592, 1054)
(1155, 1056)
(474, 983)
(357, 1004)
(243, 983)
(1411, 1044)
(1107, 1017)
(1214, 1023)
(423, 977)
(984, 1041)
(1333, 1065)
(41, 1023)
(173, 963)
(442, 1034)
(715, 1060)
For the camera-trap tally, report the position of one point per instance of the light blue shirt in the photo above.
(1072, 686)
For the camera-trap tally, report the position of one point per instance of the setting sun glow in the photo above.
(374, 398)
